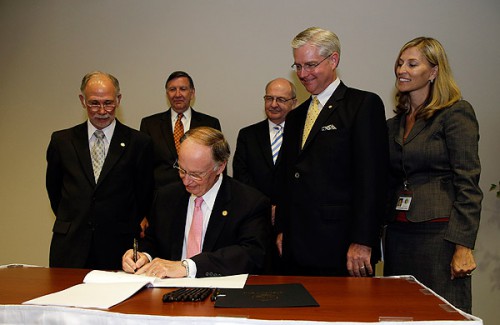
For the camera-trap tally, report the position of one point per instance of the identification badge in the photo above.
(405, 197)
(404, 202)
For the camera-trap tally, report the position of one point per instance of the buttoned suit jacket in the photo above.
(442, 166)
(159, 128)
(236, 238)
(99, 219)
(253, 161)
(334, 188)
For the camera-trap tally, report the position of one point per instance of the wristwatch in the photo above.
(186, 265)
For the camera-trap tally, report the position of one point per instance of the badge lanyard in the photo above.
(405, 195)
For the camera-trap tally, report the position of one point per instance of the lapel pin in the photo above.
(122, 144)
(330, 106)
(224, 213)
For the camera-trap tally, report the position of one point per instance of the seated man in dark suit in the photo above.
(207, 225)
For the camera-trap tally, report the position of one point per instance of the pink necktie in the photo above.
(195, 232)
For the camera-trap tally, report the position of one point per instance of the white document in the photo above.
(90, 295)
(225, 282)
(104, 289)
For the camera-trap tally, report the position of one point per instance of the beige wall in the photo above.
(231, 48)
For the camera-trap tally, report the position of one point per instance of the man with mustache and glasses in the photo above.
(99, 181)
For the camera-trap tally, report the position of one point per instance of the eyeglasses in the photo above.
(95, 105)
(194, 176)
(279, 100)
(309, 66)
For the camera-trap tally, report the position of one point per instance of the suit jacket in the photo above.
(97, 222)
(442, 166)
(159, 128)
(334, 187)
(253, 161)
(236, 238)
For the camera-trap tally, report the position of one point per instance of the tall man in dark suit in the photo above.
(334, 158)
(179, 117)
(99, 181)
(207, 225)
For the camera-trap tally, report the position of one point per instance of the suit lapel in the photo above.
(417, 128)
(196, 120)
(117, 146)
(81, 144)
(264, 142)
(220, 212)
(179, 225)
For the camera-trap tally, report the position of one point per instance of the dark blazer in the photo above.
(442, 163)
(253, 162)
(159, 128)
(236, 238)
(96, 223)
(334, 188)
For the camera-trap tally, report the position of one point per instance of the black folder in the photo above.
(266, 296)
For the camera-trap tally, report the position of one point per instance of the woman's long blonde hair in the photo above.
(444, 91)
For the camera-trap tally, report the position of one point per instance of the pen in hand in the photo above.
(136, 248)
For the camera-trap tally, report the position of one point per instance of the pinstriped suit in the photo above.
(440, 157)
(442, 162)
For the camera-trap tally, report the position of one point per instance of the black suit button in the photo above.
(297, 175)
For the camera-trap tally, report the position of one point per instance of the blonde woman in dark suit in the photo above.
(434, 169)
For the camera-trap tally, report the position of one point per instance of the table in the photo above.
(348, 300)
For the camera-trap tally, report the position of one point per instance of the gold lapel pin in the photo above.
(122, 144)
(224, 213)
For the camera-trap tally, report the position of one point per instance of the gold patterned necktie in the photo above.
(178, 131)
(97, 153)
(312, 114)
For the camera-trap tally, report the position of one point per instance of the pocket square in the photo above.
(328, 127)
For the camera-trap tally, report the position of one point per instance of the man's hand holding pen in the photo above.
(158, 267)
(131, 266)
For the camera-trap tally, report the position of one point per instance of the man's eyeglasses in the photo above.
(309, 66)
(279, 100)
(194, 176)
(95, 105)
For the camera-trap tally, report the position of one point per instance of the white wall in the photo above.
(231, 48)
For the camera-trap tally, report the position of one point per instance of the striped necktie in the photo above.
(276, 143)
(312, 114)
(97, 154)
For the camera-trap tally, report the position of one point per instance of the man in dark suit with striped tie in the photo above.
(257, 149)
